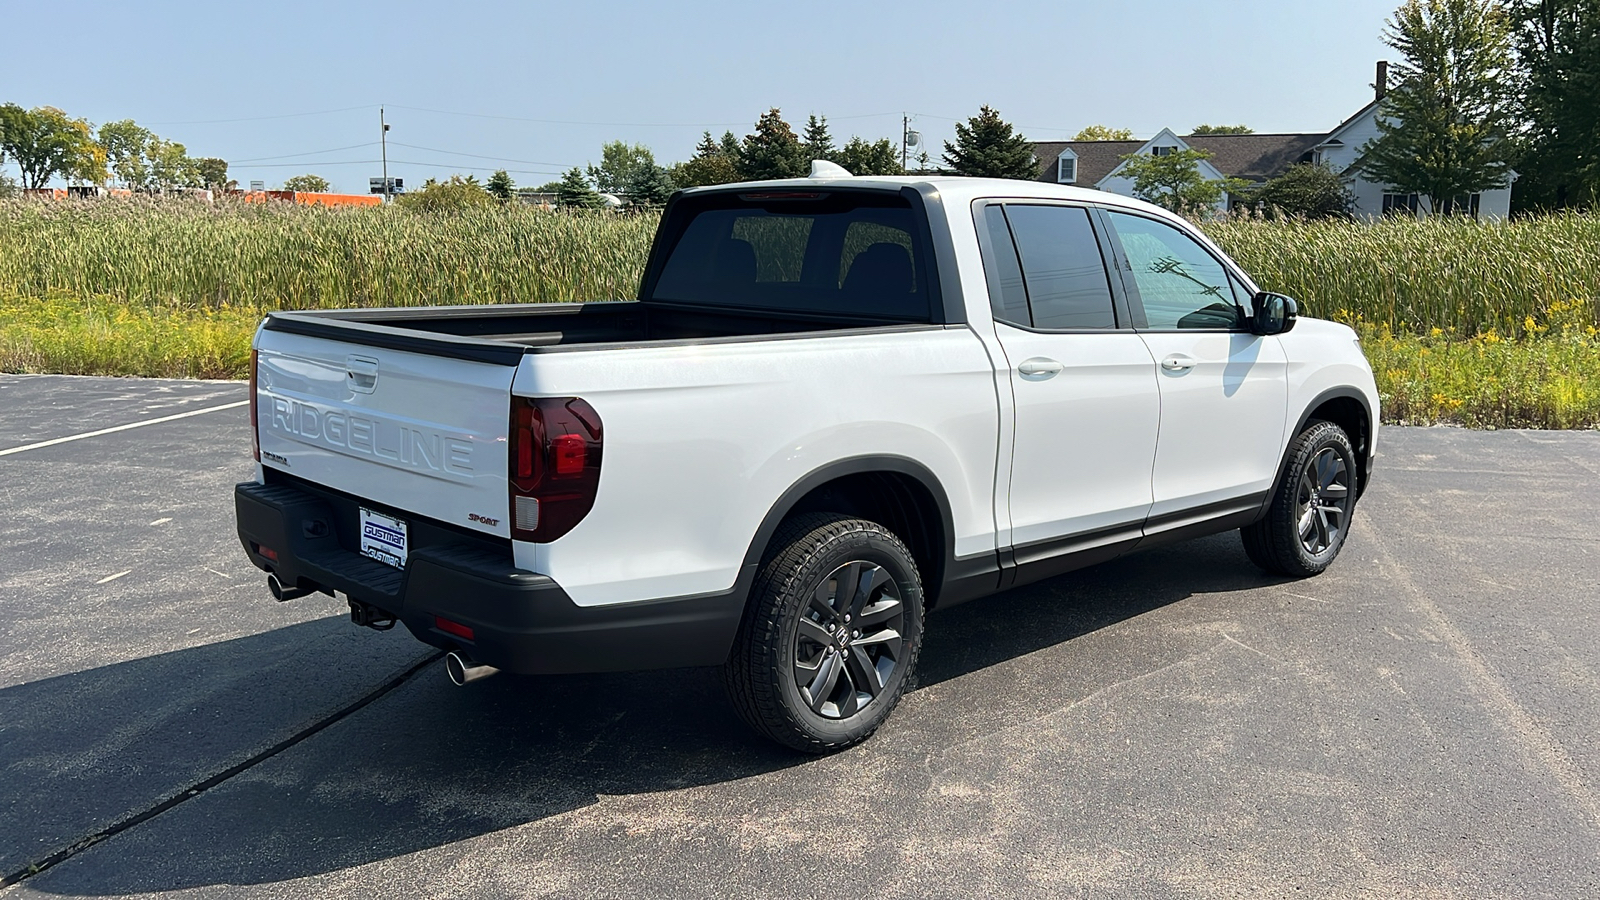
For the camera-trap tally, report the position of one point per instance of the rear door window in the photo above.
(857, 254)
(1062, 270)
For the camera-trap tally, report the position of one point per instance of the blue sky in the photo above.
(538, 87)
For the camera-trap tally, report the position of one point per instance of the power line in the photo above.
(306, 153)
(531, 162)
(320, 112)
(449, 112)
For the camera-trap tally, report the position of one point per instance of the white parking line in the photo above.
(90, 434)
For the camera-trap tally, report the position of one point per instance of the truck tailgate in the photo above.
(414, 432)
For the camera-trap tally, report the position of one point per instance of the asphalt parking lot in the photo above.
(1420, 721)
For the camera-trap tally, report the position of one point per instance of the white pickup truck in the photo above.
(837, 403)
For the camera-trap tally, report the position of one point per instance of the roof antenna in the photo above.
(821, 168)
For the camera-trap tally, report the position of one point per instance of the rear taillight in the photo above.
(555, 465)
(255, 423)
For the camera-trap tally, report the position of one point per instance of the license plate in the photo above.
(383, 538)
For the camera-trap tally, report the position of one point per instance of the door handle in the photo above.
(1177, 362)
(1039, 367)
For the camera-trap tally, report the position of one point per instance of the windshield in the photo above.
(852, 253)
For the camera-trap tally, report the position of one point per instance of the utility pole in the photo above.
(384, 138)
(905, 132)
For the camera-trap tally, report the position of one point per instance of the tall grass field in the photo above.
(1486, 324)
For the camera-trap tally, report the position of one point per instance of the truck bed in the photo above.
(503, 333)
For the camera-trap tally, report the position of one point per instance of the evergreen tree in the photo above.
(1443, 126)
(575, 192)
(730, 145)
(817, 141)
(986, 147)
(501, 187)
(773, 151)
(711, 164)
(650, 187)
(1558, 53)
(875, 158)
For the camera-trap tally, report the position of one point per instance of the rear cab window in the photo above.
(852, 253)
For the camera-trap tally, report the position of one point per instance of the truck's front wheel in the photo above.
(831, 636)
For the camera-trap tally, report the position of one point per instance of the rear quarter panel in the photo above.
(702, 440)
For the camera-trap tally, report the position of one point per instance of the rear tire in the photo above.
(831, 635)
(1309, 518)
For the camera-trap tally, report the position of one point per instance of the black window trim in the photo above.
(942, 308)
(1121, 313)
(1125, 274)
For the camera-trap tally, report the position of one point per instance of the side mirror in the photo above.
(1272, 313)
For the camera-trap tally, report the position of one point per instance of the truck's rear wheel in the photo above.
(831, 635)
(1308, 521)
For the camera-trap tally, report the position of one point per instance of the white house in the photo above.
(1257, 158)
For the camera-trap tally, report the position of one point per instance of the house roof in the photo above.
(1254, 157)
(1096, 159)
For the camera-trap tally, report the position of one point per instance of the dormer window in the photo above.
(1066, 169)
(1162, 151)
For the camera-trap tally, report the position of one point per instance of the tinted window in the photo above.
(840, 253)
(1180, 284)
(1007, 298)
(1061, 267)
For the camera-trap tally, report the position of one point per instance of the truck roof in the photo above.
(955, 188)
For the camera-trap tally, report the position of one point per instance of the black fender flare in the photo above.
(855, 465)
(1337, 393)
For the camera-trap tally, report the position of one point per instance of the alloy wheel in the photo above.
(1322, 505)
(848, 640)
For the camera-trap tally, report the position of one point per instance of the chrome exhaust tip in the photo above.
(463, 670)
(281, 591)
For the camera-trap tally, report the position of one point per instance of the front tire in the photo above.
(831, 635)
(1309, 519)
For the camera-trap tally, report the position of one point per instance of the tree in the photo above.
(125, 143)
(575, 192)
(1443, 126)
(1222, 129)
(773, 151)
(1314, 191)
(711, 164)
(1173, 180)
(45, 142)
(985, 147)
(170, 165)
(454, 195)
(208, 172)
(818, 143)
(310, 184)
(619, 161)
(650, 187)
(1558, 70)
(501, 187)
(1104, 133)
(876, 158)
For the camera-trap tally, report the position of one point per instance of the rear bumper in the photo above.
(521, 622)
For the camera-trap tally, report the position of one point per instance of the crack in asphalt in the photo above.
(195, 790)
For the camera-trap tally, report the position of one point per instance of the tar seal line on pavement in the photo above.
(196, 790)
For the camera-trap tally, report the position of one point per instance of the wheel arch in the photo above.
(1346, 407)
(897, 492)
